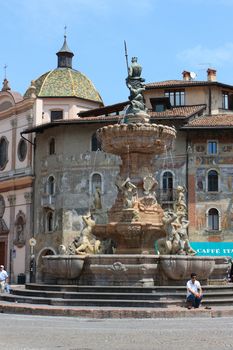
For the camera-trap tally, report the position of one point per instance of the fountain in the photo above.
(136, 220)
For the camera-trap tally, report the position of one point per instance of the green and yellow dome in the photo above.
(64, 81)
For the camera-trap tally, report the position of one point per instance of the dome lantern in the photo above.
(64, 56)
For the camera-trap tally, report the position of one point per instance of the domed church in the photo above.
(64, 81)
(63, 92)
(44, 147)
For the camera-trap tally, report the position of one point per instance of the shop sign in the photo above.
(213, 248)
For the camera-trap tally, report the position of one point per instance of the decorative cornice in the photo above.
(14, 184)
(19, 107)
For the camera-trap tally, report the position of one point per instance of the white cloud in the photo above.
(215, 56)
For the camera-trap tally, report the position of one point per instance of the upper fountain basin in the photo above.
(136, 137)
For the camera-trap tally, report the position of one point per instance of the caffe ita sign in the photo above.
(213, 248)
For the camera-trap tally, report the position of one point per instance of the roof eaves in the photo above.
(73, 96)
(42, 127)
(117, 107)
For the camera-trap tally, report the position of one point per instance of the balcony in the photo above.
(48, 200)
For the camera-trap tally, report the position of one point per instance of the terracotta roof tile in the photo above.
(170, 83)
(183, 83)
(218, 120)
(178, 112)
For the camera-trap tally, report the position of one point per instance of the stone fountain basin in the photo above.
(131, 238)
(142, 138)
(180, 267)
(63, 266)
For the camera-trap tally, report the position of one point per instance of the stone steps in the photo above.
(115, 296)
(123, 289)
(88, 302)
(154, 295)
(103, 295)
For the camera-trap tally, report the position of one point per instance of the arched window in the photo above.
(3, 152)
(212, 181)
(96, 181)
(51, 185)
(95, 143)
(167, 186)
(52, 146)
(213, 219)
(50, 221)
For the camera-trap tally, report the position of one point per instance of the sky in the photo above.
(167, 36)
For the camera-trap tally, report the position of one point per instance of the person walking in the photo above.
(194, 292)
(3, 280)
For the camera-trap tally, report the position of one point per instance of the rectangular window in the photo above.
(212, 147)
(56, 115)
(160, 104)
(176, 97)
(225, 100)
(159, 108)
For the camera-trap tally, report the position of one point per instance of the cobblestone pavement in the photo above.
(23, 332)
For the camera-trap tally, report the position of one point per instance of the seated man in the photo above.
(194, 292)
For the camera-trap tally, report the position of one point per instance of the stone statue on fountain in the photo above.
(176, 225)
(130, 194)
(136, 111)
(87, 243)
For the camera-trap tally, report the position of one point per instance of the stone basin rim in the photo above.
(83, 257)
(191, 257)
(131, 126)
(64, 256)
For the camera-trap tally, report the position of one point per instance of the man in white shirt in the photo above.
(3, 279)
(194, 292)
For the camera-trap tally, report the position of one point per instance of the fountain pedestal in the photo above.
(135, 219)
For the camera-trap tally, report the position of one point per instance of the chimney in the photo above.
(211, 74)
(186, 75)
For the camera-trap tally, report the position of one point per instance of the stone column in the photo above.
(28, 232)
(12, 202)
(14, 146)
(30, 148)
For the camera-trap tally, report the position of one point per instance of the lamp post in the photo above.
(32, 243)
